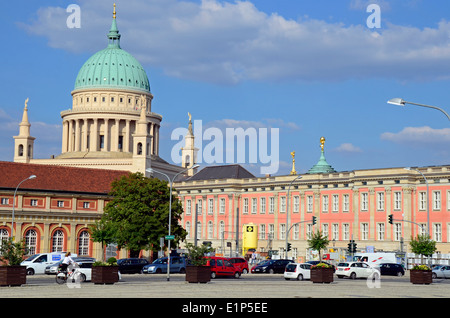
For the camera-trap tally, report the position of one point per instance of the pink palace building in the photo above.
(347, 205)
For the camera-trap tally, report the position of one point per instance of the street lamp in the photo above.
(150, 170)
(287, 213)
(14, 202)
(428, 198)
(401, 102)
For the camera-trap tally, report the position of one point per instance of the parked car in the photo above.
(298, 271)
(131, 265)
(355, 270)
(271, 266)
(221, 266)
(177, 265)
(240, 263)
(37, 263)
(53, 268)
(391, 269)
(441, 272)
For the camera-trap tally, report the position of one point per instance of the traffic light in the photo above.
(314, 220)
(391, 218)
(288, 247)
(354, 247)
(351, 246)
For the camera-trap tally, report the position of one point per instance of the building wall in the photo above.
(347, 205)
(58, 221)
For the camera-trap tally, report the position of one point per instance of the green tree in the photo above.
(102, 232)
(318, 242)
(11, 253)
(138, 214)
(423, 245)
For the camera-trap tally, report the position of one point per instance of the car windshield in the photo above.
(342, 264)
(29, 259)
(160, 261)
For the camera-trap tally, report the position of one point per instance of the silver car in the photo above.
(441, 272)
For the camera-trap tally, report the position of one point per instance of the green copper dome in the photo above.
(112, 68)
(322, 165)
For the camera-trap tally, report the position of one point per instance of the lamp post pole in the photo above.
(287, 213)
(150, 170)
(14, 203)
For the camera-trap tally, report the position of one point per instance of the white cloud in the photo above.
(230, 42)
(347, 148)
(419, 136)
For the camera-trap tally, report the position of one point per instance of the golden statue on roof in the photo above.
(293, 172)
(322, 142)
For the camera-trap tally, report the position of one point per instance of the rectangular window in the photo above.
(380, 201)
(309, 203)
(325, 203)
(345, 231)
(397, 201)
(296, 230)
(262, 231)
(34, 202)
(188, 207)
(282, 235)
(245, 206)
(364, 231)
(335, 233)
(60, 204)
(346, 203)
(86, 205)
(102, 141)
(199, 206)
(422, 201)
(437, 232)
(364, 201)
(271, 231)
(222, 206)
(397, 231)
(282, 204)
(5, 201)
(262, 206)
(325, 229)
(254, 205)
(380, 231)
(296, 204)
(210, 206)
(271, 205)
(436, 200)
(335, 202)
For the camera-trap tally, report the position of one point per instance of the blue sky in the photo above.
(308, 68)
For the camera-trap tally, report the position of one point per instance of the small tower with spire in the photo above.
(189, 152)
(24, 143)
(322, 165)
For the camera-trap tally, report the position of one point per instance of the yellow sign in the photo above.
(250, 237)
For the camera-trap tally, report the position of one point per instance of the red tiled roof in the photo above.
(57, 178)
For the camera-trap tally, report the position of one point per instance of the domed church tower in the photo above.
(111, 124)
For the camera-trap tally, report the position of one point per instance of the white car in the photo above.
(356, 270)
(441, 271)
(298, 271)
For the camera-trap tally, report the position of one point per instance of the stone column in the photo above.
(77, 135)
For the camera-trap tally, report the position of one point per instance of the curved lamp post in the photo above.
(401, 102)
(14, 203)
(150, 170)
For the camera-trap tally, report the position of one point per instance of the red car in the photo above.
(239, 263)
(221, 266)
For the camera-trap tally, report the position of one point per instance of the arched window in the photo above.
(58, 241)
(20, 150)
(188, 229)
(4, 235)
(31, 242)
(139, 148)
(83, 243)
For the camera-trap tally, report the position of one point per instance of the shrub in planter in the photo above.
(322, 273)
(196, 270)
(105, 273)
(11, 255)
(420, 274)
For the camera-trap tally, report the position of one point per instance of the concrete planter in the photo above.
(420, 276)
(13, 275)
(105, 274)
(322, 275)
(198, 274)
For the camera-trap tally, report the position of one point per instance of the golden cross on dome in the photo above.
(322, 142)
(114, 12)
